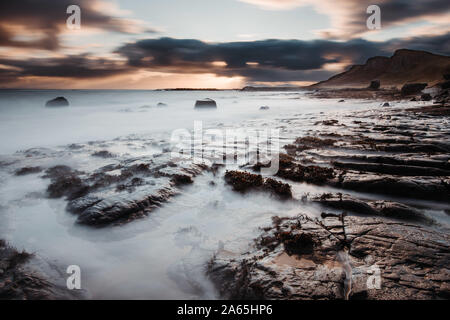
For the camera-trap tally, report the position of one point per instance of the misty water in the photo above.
(164, 255)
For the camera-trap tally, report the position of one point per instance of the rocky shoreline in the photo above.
(377, 164)
(335, 258)
(21, 281)
(362, 248)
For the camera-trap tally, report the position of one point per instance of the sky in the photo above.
(156, 44)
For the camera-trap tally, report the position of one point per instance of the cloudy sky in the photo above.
(147, 44)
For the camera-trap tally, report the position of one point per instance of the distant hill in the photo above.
(405, 66)
(283, 88)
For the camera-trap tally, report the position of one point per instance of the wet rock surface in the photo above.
(110, 189)
(413, 88)
(19, 282)
(123, 193)
(337, 258)
(386, 208)
(387, 169)
(383, 163)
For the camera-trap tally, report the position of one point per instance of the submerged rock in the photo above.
(103, 154)
(205, 104)
(19, 281)
(426, 97)
(445, 85)
(375, 85)
(412, 88)
(57, 102)
(27, 170)
(264, 108)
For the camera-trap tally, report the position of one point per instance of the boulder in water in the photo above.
(57, 102)
(264, 108)
(445, 85)
(426, 97)
(205, 103)
(413, 88)
(161, 104)
(374, 85)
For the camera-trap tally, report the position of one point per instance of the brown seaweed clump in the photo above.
(310, 174)
(242, 181)
(308, 142)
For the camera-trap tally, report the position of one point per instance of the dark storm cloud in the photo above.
(394, 11)
(80, 66)
(267, 60)
(282, 54)
(48, 19)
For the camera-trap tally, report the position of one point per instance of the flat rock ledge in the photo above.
(338, 257)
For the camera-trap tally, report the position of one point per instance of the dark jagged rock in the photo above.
(205, 104)
(57, 102)
(27, 170)
(374, 85)
(331, 122)
(386, 104)
(103, 154)
(118, 209)
(426, 97)
(336, 258)
(442, 97)
(445, 85)
(413, 88)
